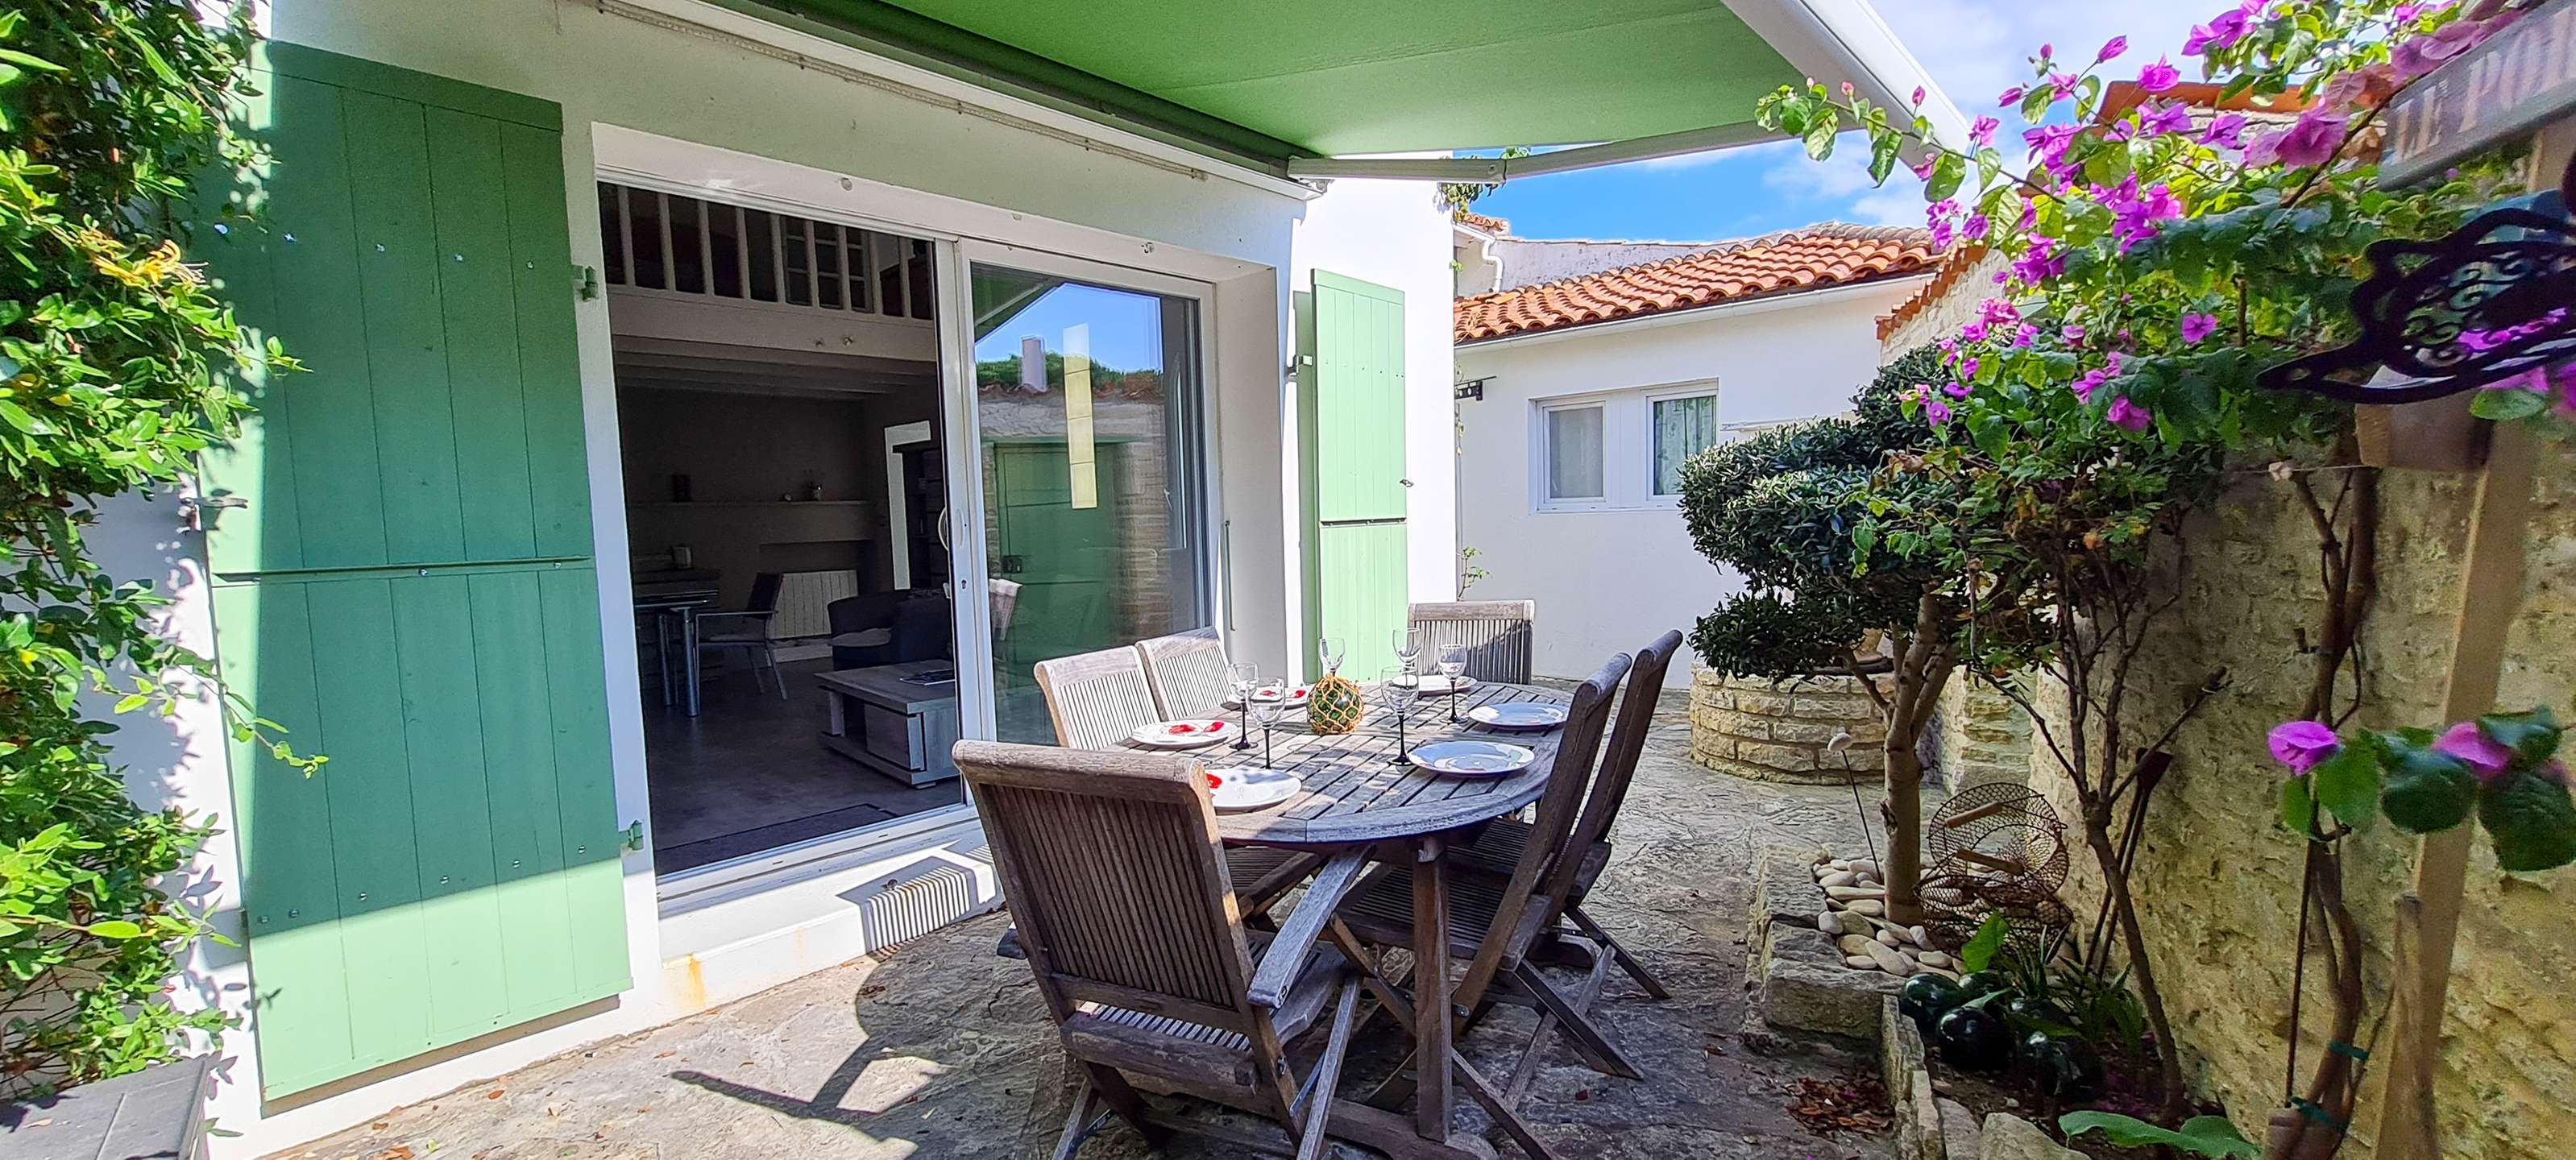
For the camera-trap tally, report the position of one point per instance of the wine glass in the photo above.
(1408, 647)
(1453, 664)
(1268, 713)
(1331, 650)
(1396, 689)
(1244, 678)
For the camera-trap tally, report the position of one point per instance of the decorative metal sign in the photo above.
(2494, 298)
(1471, 389)
(2521, 78)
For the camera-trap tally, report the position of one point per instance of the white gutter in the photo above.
(750, 33)
(1761, 305)
(1832, 41)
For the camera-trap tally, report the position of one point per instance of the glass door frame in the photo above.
(963, 434)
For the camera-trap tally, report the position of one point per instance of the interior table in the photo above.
(1351, 795)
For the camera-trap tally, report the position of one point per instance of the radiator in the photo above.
(805, 601)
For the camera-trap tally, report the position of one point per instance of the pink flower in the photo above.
(1968, 367)
(2484, 757)
(2011, 96)
(2196, 327)
(2225, 131)
(2129, 416)
(1973, 332)
(1994, 310)
(2063, 84)
(1975, 228)
(2425, 53)
(2040, 263)
(2025, 335)
(1956, 390)
(2311, 140)
(2158, 77)
(2111, 48)
(2302, 744)
(1935, 412)
(1918, 94)
(2222, 31)
(1923, 171)
(2089, 382)
(2162, 118)
(1983, 132)
(2074, 332)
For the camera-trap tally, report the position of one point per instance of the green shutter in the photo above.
(1351, 422)
(403, 574)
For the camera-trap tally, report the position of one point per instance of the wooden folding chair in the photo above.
(1500, 846)
(1096, 700)
(1186, 673)
(1494, 922)
(1497, 634)
(1111, 864)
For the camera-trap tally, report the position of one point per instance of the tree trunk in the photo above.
(2097, 834)
(1903, 812)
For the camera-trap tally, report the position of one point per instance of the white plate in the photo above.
(1295, 698)
(1435, 685)
(1252, 787)
(1518, 715)
(1473, 758)
(1189, 734)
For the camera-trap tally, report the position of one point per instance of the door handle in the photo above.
(1405, 482)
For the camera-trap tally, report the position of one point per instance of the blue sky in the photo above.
(1973, 48)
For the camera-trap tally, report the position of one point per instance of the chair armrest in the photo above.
(1295, 942)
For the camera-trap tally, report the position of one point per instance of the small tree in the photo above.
(1780, 509)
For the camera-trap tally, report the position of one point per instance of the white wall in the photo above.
(1611, 579)
(1394, 234)
(869, 151)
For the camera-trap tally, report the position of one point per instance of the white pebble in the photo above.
(1840, 863)
(1917, 936)
(1862, 962)
(1839, 878)
(1933, 959)
(1829, 923)
(1864, 866)
(1848, 893)
(1868, 906)
(1887, 938)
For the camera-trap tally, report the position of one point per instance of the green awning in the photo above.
(1278, 80)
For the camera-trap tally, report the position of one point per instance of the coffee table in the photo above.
(893, 726)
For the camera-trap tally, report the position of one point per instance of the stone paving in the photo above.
(941, 1049)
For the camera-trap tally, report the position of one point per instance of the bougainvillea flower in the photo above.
(1998, 310)
(2010, 96)
(2196, 327)
(2040, 263)
(2485, 757)
(1957, 390)
(2302, 744)
(2225, 131)
(1983, 132)
(2074, 332)
(2164, 117)
(2025, 335)
(2129, 416)
(2423, 54)
(2158, 77)
(1968, 367)
(2111, 48)
(1935, 412)
(2088, 383)
(2311, 140)
(2222, 31)
(1974, 331)
(1974, 229)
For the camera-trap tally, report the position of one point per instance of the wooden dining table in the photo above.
(1351, 795)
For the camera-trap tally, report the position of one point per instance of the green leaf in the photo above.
(115, 928)
(132, 702)
(1882, 154)
(2035, 103)
(2505, 406)
(1820, 136)
(2532, 736)
(2200, 1135)
(37, 63)
(1947, 172)
(2425, 792)
(2347, 784)
(2298, 807)
(1981, 949)
(17, 416)
(2531, 820)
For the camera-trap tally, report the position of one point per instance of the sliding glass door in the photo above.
(1087, 396)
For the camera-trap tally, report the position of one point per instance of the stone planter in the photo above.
(1780, 730)
(158, 1111)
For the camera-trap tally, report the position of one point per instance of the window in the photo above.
(1684, 427)
(1574, 453)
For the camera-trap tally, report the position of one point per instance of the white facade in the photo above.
(699, 95)
(1611, 572)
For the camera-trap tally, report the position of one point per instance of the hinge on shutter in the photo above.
(633, 837)
(585, 283)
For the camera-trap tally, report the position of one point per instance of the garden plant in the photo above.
(115, 361)
(2159, 252)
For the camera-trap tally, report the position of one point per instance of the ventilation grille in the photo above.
(687, 245)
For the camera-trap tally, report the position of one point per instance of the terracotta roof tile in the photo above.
(1477, 221)
(1783, 263)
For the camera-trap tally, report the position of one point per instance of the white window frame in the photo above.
(1542, 436)
(1695, 389)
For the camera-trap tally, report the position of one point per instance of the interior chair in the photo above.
(747, 630)
(1131, 922)
(1097, 699)
(1498, 849)
(1186, 672)
(1495, 923)
(1497, 635)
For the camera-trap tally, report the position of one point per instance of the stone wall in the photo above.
(2217, 877)
(1778, 730)
(1978, 735)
